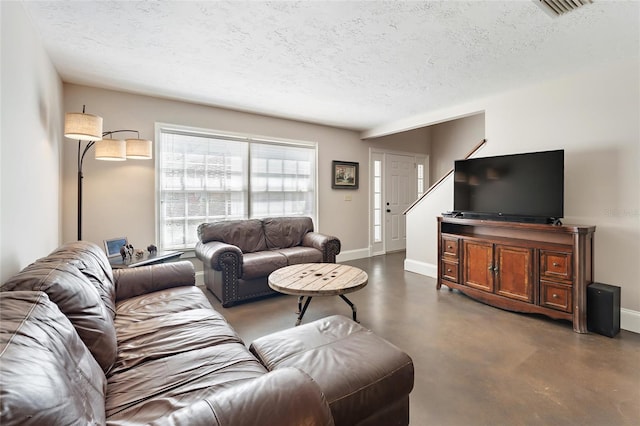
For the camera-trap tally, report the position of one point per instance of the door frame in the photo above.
(380, 154)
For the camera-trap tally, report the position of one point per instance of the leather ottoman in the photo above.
(365, 379)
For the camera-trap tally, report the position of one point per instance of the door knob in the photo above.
(388, 211)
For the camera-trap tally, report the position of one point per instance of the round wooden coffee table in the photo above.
(318, 279)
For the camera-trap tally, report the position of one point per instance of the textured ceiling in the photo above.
(348, 64)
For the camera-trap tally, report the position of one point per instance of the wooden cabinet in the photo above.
(522, 267)
(478, 265)
(513, 272)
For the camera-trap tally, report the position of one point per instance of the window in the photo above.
(205, 177)
(420, 180)
(377, 201)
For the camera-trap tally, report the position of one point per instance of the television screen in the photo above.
(515, 186)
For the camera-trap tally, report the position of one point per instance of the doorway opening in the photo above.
(404, 165)
(398, 178)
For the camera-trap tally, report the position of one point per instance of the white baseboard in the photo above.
(422, 268)
(630, 320)
(352, 255)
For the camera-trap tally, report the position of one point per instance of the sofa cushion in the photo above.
(283, 232)
(261, 264)
(47, 375)
(94, 264)
(78, 299)
(157, 388)
(245, 234)
(259, 402)
(168, 326)
(297, 255)
(357, 371)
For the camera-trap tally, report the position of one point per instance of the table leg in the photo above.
(354, 310)
(304, 308)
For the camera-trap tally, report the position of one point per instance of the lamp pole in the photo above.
(81, 154)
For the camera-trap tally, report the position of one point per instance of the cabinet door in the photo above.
(514, 272)
(478, 265)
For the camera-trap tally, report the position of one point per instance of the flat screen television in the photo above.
(520, 187)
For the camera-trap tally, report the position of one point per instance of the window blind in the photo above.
(205, 177)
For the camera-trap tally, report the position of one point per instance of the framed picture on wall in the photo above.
(344, 175)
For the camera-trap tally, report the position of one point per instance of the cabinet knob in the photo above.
(556, 264)
(449, 247)
(555, 296)
(448, 269)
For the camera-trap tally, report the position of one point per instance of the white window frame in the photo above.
(218, 134)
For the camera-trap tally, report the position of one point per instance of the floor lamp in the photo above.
(88, 128)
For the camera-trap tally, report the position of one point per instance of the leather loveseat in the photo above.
(82, 344)
(239, 255)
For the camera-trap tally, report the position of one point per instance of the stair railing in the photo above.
(439, 181)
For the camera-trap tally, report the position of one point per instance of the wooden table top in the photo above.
(318, 279)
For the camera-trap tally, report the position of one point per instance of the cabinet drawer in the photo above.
(555, 264)
(556, 296)
(450, 247)
(449, 270)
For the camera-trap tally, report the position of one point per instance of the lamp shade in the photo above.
(139, 149)
(111, 150)
(81, 126)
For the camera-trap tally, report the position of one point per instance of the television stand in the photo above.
(521, 267)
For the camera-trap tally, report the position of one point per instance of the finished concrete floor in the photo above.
(475, 364)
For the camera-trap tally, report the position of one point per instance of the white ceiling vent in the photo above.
(555, 8)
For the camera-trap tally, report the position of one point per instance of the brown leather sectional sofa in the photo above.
(239, 255)
(81, 343)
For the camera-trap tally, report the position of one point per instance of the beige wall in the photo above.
(30, 138)
(119, 198)
(417, 141)
(451, 141)
(593, 116)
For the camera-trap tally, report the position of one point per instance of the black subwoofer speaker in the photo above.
(603, 309)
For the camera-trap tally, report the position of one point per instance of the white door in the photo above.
(400, 193)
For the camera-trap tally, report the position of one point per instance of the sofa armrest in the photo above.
(285, 397)
(131, 282)
(328, 245)
(219, 255)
